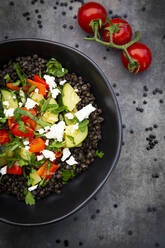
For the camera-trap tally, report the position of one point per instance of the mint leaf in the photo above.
(7, 78)
(83, 125)
(17, 83)
(29, 198)
(55, 69)
(100, 154)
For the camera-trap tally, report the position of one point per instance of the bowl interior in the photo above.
(82, 188)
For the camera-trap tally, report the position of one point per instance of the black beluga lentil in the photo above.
(84, 155)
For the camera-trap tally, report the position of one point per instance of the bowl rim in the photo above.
(119, 120)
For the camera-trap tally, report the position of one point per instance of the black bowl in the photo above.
(77, 192)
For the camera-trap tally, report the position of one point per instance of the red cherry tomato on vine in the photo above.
(4, 136)
(88, 12)
(123, 35)
(141, 53)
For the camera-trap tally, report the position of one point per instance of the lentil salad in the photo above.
(53, 130)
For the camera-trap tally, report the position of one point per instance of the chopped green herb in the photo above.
(100, 154)
(20, 112)
(17, 83)
(83, 125)
(55, 69)
(40, 74)
(22, 127)
(68, 174)
(44, 106)
(29, 198)
(56, 144)
(7, 78)
(32, 88)
(22, 76)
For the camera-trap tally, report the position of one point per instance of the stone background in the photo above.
(129, 210)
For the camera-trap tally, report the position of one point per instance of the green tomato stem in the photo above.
(132, 62)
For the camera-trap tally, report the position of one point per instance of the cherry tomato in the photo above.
(27, 119)
(16, 132)
(43, 172)
(88, 12)
(11, 123)
(123, 35)
(15, 169)
(139, 52)
(4, 136)
(37, 145)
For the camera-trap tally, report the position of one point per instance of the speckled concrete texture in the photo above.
(129, 210)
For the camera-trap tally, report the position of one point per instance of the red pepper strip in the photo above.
(37, 145)
(12, 87)
(43, 172)
(41, 87)
(15, 169)
(4, 136)
(38, 79)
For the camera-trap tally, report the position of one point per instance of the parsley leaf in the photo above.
(32, 88)
(29, 198)
(55, 69)
(100, 154)
(17, 83)
(83, 125)
(68, 174)
(56, 144)
(7, 78)
(22, 76)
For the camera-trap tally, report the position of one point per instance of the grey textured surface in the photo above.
(132, 201)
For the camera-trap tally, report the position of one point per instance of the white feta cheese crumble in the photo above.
(71, 161)
(75, 127)
(33, 187)
(3, 170)
(20, 104)
(26, 142)
(66, 153)
(76, 90)
(6, 103)
(14, 97)
(30, 103)
(56, 131)
(85, 112)
(49, 154)
(9, 112)
(40, 157)
(27, 148)
(55, 93)
(36, 90)
(70, 116)
(50, 80)
(62, 69)
(47, 142)
(62, 82)
(41, 131)
(47, 128)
